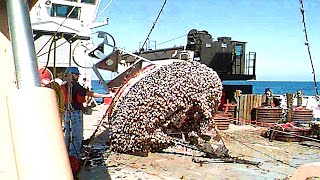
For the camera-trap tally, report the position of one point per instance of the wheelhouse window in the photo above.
(59, 10)
(89, 1)
(239, 50)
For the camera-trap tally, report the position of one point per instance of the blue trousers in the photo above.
(73, 125)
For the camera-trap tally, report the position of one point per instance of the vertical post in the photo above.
(237, 97)
(254, 64)
(22, 44)
(299, 98)
(241, 59)
(289, 107)
(70, 52)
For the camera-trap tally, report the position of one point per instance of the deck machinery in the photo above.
(225, 56)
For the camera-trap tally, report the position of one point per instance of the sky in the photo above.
(272, 28)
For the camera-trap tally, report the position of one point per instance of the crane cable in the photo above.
(129, 71)
(308, 46)
(171, 39)
(154, 24)
(131, 68)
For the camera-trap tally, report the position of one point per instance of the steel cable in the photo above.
(308, 46)
(172, 39)
(154, 24)
(278, 160)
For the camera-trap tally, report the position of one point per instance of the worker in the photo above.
(73, 116)
(46, 79)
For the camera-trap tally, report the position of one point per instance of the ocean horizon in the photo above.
(258, 86)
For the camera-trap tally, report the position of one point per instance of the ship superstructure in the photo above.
(62, 34)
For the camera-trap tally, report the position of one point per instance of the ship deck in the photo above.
(278, 160)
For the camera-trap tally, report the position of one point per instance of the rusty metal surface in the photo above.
(117, 81)
(303, 116)
(290, 134)
(268, 116)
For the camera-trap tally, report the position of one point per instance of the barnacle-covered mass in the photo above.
(181, 96)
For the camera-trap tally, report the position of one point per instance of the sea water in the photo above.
(279, 87)
(258, 87)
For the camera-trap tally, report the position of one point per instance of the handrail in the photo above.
(22, 44)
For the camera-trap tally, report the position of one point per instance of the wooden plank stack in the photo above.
(268, 116)
(302, 116)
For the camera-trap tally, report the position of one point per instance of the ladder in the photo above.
(251, 63)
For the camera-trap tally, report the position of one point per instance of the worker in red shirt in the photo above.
(74, 96)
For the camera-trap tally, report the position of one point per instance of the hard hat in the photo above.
(72, 70)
